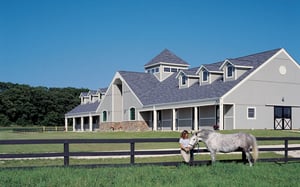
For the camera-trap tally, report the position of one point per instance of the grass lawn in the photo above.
(219, 174)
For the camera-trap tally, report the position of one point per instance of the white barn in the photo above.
(257, 91)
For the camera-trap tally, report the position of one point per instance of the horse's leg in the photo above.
(213, 156)
(249, 157)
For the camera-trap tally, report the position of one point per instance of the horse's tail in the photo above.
(254, 148)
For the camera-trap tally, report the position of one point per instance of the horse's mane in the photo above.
(204, 133)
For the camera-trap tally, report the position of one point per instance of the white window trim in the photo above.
(251, 118)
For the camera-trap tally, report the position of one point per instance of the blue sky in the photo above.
(82, 43)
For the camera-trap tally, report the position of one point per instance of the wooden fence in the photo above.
(36, 129)
(132, 152)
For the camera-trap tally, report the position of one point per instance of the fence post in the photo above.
(131, 152)
(66, 153)
(286, 144)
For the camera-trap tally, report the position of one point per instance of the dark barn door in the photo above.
(282, 117)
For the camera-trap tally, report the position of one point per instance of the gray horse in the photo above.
(225, 143)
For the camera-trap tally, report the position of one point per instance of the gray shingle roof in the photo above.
(167, 57)
(254, 59)
(150, 91)
(191, 71)
(102, 90)
(214, 66)
(84, 108)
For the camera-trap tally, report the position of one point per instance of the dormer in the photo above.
(186, 79)
(165, 64)
(101, 92)
(208, 73)
(233, 69)
(92, 96)
(84, 97)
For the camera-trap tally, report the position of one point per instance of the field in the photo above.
(219, 174)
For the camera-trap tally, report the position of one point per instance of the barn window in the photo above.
(205, 76)
(174, 70)
(132, 113)
(183, 80)
(167, 69)
(251, 113)
(230, 71)
(104, 116)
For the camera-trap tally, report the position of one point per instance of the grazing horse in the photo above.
(225, 143)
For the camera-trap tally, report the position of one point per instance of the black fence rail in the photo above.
(283, 145)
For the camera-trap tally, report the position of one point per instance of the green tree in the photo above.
(26, 105)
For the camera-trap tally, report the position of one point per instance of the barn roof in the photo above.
(151, 91)
(84, 108)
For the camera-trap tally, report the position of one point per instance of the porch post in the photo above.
(195, 118)
(74, 123)
(221, 120)
(81, 123)
(154, 120)
(91, 122)
(66, 124)
(174, 118)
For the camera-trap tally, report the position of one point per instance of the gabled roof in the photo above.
(102, 90)
(210, 67)
(168, 57)
(84, 94)
(187, 72)
(150, 91)
(84, 109)
(92, 92)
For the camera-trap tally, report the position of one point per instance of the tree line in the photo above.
(25, 105)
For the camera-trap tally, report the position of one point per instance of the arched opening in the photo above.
(132, 114)
(104, 116)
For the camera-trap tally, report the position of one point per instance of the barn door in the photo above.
(282, 117)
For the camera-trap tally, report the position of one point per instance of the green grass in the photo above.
(220, 174)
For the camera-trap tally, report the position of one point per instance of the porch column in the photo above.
(174, 118)
(74, 123)
(221, 121)
(154, 120)
(91, 122)
(195, 118)
(66, 124)
(81, 123)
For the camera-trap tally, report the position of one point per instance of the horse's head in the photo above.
(194, 140)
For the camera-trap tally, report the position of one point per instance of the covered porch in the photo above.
(212, 114)
(87, 122)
